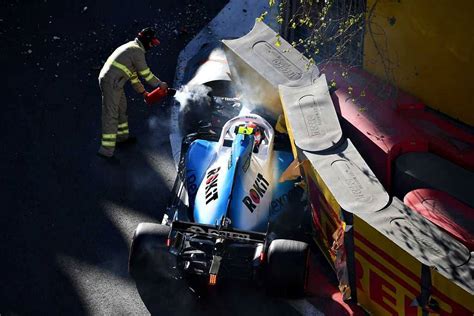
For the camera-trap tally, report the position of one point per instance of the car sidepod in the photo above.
(199, 156)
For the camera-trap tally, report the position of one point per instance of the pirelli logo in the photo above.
(388, 281)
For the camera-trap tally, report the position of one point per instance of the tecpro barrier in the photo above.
(311, 119)
(406, 264)
(427, 170)
(260, 61)
(340, 184)
(367, 108)
(389, 258)
(449, 140)
(443, 210)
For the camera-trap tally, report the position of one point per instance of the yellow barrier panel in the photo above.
(405, 265)
(450, 298)
(428, 47)
(387, 278)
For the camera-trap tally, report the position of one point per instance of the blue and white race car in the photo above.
(231, 217)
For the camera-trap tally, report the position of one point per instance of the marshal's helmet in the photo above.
(148, 38)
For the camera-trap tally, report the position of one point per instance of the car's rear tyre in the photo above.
(149, 255)
(287, 267)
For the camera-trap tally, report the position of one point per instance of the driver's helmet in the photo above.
(250, 128)
(257, 133)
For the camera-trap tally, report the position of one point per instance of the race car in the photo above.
(231, 216)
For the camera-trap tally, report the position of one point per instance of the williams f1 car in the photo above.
(231, 216)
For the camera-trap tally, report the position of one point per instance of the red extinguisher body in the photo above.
(158, 94)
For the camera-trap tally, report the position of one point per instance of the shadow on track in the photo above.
(67, 217)
(174, 296)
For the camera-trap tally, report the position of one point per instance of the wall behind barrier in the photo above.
(428, 48)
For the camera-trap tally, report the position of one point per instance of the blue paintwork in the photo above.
(282, 159)
(202, 154)
(240, 150)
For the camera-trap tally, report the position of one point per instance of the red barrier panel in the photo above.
(443, 210)
(448, 140)
(367, 108)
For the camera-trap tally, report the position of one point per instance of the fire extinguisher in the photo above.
(158, 94)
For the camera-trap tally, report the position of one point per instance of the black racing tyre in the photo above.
(287, 267)
(149, 255)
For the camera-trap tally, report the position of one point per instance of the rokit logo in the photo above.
(257, 192)
(211, 185)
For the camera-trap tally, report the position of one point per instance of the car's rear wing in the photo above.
(214, 231)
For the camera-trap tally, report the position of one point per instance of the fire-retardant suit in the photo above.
(126, 63)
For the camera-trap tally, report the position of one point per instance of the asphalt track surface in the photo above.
(67, 216)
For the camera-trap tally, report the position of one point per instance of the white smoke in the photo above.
(244, 88)
(192, 94)
(153, 123)
(158, 125)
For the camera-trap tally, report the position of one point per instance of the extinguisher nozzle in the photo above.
(171, 91)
